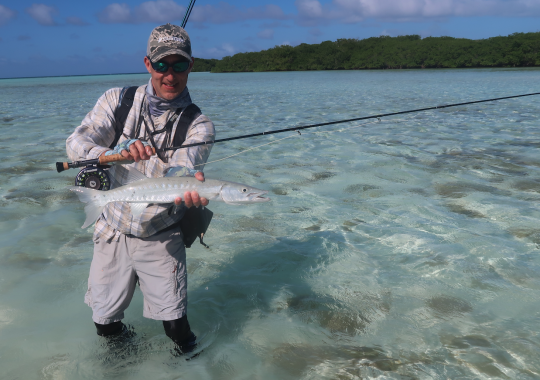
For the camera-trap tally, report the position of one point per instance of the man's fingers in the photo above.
(195, 198)
(138, 152)
(190, 200)
(200, 176)
(203, 201)
(187, 199)
(126, 155)
(149, 150)
(142, 150)
(134, 153)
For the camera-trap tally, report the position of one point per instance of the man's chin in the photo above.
(170, 95)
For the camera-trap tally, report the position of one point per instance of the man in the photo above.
(147, 248)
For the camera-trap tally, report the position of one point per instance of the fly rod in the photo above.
(188, 13)
(294, 129)
(104, 160)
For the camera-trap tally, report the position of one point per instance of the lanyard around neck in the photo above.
(167, 129)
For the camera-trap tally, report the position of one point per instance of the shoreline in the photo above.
(73, 75)
(290, 71)
(389, 69)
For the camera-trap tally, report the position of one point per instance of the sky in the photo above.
(60, 37)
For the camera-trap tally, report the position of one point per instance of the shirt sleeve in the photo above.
(202, 129)
(97, 131)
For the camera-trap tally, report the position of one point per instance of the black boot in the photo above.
(111, 329)
(180, 333)
(121, 349)
(117, 334)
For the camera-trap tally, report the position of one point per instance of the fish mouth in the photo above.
(258, 197)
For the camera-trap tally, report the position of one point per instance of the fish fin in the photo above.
(94, 203)
(123, 175)
(138, 208)
(92, 214)
(133, 175)
(113, 175)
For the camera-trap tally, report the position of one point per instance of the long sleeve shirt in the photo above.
(97, 132)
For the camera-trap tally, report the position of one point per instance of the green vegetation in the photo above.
(403, 52)
(202, 64)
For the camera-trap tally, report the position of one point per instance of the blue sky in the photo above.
(60, 37)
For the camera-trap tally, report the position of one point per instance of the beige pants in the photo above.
(159, 261)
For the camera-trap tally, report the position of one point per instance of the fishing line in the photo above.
(288, 137)
(293, 129)
(247, 150)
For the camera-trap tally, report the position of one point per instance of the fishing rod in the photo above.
(188, 13)
(299, 128)
(104, 160)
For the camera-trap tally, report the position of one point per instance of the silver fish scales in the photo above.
(142, 192)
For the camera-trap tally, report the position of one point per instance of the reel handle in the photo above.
(102, 160)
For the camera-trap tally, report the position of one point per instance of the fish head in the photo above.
(238, 194)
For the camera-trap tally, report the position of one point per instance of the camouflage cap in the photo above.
(167, 40)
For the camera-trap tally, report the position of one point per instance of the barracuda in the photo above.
(142, 191)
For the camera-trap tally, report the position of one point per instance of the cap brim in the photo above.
(167, 52)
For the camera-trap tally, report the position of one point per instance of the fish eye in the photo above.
(244, 190)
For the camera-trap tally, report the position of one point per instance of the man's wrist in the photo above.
(96, 152)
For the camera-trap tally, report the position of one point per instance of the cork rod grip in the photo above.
(116, 157)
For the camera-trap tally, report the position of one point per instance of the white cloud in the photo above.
(115, 13)
(162, 11)
(228, 48)
(309, 8)
(267, 34)
(6, 14)
(313, 12)
(216, 52)
(42, 13)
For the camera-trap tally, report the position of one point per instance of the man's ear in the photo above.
(148, 64)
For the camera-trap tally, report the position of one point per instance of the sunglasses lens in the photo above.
(160, 66)
(180, 66)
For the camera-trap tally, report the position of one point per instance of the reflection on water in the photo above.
(404, 249)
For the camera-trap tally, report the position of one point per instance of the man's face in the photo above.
(168, 85)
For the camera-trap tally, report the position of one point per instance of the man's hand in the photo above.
(191, 198)
(137, 150)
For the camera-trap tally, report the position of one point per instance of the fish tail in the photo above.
(95, 202)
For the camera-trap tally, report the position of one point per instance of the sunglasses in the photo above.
(163, 67)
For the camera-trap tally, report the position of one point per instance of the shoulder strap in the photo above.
(191, 113)
(120, 115)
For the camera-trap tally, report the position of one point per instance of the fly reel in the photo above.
(94, 177)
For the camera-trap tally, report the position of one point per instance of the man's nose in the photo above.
(169, 71)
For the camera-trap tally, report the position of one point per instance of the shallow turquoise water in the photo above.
(401, 249)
